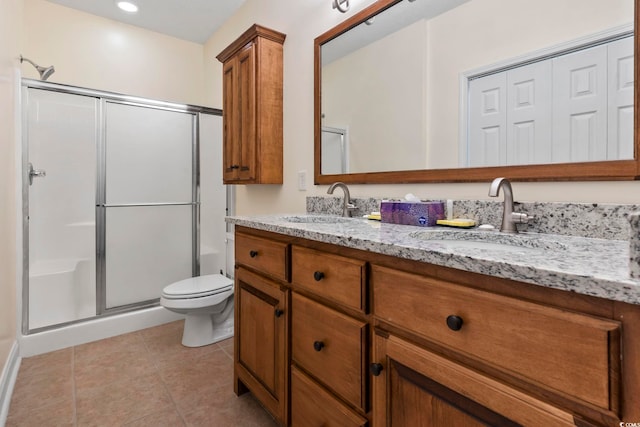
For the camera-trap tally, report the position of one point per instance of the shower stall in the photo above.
(115, 204)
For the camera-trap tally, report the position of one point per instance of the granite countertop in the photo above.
(596, 267)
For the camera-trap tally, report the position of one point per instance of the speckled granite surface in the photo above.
(590, 266)
(604, 221)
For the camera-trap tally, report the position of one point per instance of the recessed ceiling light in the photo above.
(127, 6)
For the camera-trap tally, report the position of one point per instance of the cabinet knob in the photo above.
(454, 322)
(279, 312)
(253, 254)
(376, 369)
(318, 345)
(318, 275)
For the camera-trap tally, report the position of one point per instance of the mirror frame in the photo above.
(615, 170)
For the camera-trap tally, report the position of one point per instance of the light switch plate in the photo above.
(302, 180)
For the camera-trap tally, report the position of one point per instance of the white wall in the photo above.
(10, 19)
(361, 78)
(98, 53)
(303, 21)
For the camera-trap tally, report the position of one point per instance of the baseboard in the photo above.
(8, 381)
(94, 329)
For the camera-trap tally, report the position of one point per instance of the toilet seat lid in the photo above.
(200, 286)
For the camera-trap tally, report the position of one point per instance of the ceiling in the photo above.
(193, 20)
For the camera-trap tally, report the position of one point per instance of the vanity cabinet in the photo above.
(329, 338)
(261, 345)
(252, 107)
(364, 339)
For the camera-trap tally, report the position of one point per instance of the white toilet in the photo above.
(207, 302)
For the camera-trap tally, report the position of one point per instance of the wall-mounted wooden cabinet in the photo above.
(252, 107)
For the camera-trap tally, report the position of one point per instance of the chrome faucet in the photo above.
(347, 206)
(509, 217)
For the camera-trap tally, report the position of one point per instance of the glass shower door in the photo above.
(60, 263)
(148, 202)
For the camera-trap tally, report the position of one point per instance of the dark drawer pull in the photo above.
(454, 322)
(232, 167)
(318, 345)
(253, 254)
(279, 312)
(318, 275)
(376, 369)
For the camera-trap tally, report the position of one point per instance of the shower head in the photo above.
(44, 72)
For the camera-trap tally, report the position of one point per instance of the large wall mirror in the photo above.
(411, 91)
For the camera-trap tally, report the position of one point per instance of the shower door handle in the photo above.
(35, 173)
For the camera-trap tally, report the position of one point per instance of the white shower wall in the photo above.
(62, 135)
(213, 197)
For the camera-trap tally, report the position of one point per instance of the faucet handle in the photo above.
(520, 218)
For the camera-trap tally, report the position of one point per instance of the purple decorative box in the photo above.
(423, 214)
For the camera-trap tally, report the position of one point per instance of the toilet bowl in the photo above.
(207, 303)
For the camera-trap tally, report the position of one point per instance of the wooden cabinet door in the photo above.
(230, 153)
(261, 341)
(239, 116)
(246, 98)
(413, 387)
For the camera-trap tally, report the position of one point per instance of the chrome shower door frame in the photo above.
(100, 202)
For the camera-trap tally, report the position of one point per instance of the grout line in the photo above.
(156, 366)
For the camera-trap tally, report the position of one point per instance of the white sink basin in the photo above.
(488, 240)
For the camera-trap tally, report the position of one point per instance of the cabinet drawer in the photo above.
(266, 256)
(330, 346)
(572, 353)
(312, 406)
(334, 277)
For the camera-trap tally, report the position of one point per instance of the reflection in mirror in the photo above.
(424, 85)
(335, 150)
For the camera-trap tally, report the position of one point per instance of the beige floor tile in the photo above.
(122, 402)
(189, 381)
(58, 361)
(54, 414)
(166, 418)
(215, 398)
(108, 346)
(236, 411)
(41, 388)
(227, 346)
(172, 328)
(168, 349)
(145, 378)
(98, 371)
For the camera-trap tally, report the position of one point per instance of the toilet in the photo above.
(207, 302)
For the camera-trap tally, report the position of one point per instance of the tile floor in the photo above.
(145, 378)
